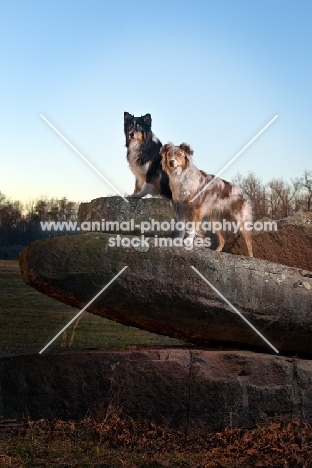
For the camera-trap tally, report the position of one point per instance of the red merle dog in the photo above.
(218, 199)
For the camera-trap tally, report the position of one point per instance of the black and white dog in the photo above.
(144, 158)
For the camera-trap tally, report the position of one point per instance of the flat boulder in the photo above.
(162, 293)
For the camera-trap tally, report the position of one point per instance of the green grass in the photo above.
(29, 320)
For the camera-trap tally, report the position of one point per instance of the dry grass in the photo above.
(117, 442)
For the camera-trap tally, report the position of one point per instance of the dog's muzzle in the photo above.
(172, 163)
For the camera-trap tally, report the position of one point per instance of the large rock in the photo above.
(178, 388)
(161, 293)
(290, 244)
(115, 209)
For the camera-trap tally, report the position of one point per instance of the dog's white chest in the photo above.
(139, 170)
(179, 187)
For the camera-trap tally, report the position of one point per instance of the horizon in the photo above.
(48, 198)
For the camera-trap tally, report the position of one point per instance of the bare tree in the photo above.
(41, 209)
(253, 188)
(304, 184)
(277, 198)
(54, 213)
(283, 198)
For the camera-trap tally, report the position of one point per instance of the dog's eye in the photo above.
(139, 127)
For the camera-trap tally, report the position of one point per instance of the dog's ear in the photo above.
(187, 150)
(147, 119)
(127, 116)
(164, 149)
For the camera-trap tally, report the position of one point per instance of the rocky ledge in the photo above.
(179, 388)
(160, 291)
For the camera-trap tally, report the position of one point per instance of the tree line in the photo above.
(276, 199)
(20, 223)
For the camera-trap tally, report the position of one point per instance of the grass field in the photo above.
(29, 320)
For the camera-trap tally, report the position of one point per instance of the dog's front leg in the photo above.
(147, 189)
(190, 227)
(137, 187)
(179, 211)
(194, 226)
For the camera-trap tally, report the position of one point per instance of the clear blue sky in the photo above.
(211, 73)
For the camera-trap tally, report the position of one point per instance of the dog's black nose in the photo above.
(131, 135)
(171, 163)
